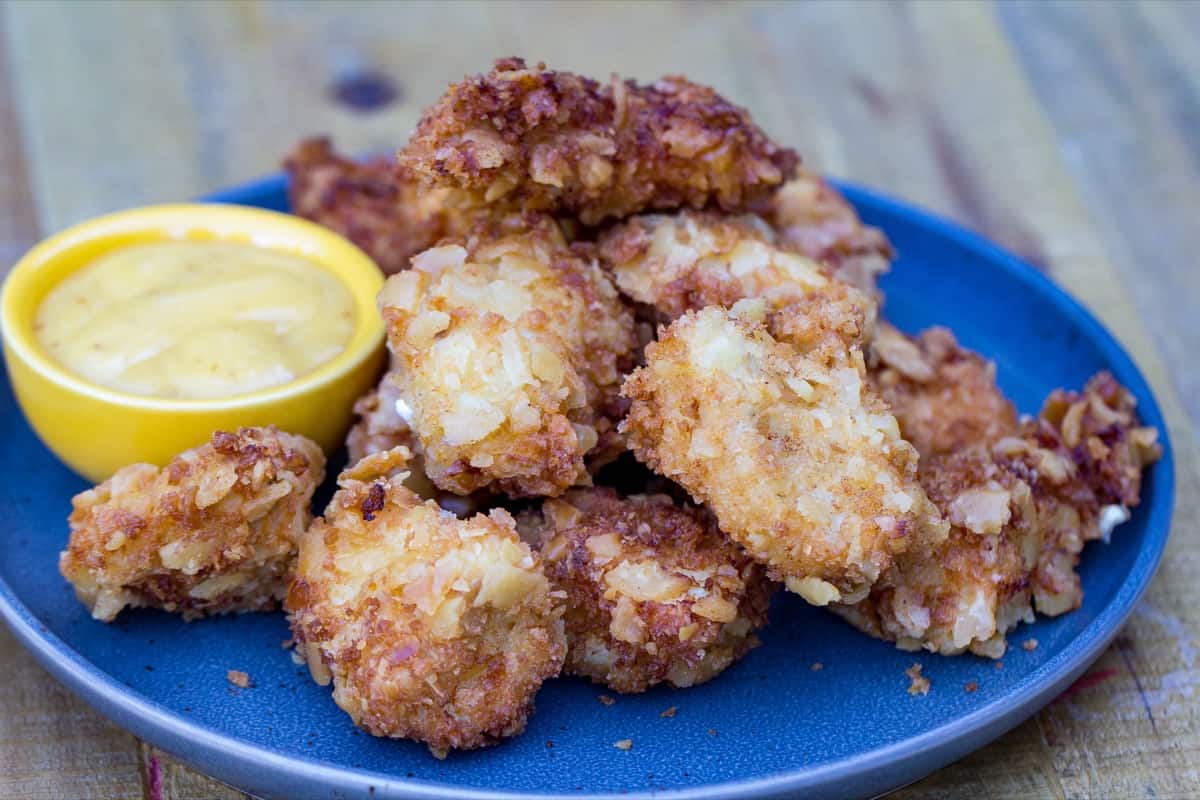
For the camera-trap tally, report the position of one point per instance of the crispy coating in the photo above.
(509, 355)
(813, 218)
(382, 209)
(1021, 508)
(429, 627)
(380, 427)
(655, 592)
(800, 462)
(683, 262)
(944, 396)
(555, 141)
(212, 532)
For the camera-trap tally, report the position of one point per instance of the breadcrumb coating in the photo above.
(814, 218)
(554, 141)
(429, 627)
(1021, 508)
(214, 531)
(655, 592)
(944, 396)
(509, 355)
(380, 427)
(800, 462)
(382, 209)
(686, 261)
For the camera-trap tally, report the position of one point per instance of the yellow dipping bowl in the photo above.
(97, 430)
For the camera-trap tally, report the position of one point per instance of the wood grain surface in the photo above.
(1068, 132)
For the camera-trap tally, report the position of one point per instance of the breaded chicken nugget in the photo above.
(655, 592)
(686, 261)
(944, 396)
(509, 356)
(813, 218)
(381, 426)
(212, 532)
(430, 627)
(384, 210)
(801, 464)
(554, 141)
(1021, 509)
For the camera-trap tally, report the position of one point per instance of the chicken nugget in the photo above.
(429, 627)
(384, 210)
(1021, 508)
(814, 218)
(212, 532)
(554, 141)
(682, 262)
(382, 425)
(509, 353)
(655, 592)
(944, 396)
(800, 462)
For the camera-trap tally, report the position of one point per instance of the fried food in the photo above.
(813, 218)
(382, 209)
(683, 262)
(559, 142)
(509, 353)
(800, 462)
(381, 427)
(214, 531)
(944, 396)
(429, 627)
(1021, 508)
(655, 592)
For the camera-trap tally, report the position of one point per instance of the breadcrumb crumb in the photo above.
(920, 684)
(623, 744)
(817, 666)
(712, 731)
(670, 712)
(606, 700)
(971, 687)
(1030, 645)
(239, 678)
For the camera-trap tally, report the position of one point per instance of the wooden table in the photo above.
(1070, 133)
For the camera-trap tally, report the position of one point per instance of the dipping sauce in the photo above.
(193, 319)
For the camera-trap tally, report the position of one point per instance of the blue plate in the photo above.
(769, 726)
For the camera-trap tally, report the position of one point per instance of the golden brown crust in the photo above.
(686, 261)
(944, 396)
(813, 218)
(429, 627)
(1021, 508)
(212, 532)
(555, 141)
(801, 464)
(510, 352)
(655, 593)
(382, 209)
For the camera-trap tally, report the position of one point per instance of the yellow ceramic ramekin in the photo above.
(96, 430)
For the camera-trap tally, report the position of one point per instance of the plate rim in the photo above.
(881, 769)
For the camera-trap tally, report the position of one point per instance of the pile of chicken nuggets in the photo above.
(590, 280)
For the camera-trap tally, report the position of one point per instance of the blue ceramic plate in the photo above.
(769, 726)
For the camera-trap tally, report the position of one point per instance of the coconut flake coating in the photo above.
(802, 465)
(509, 353)
(1021, 508)
(212, 532)
(429, 627)
(544, 140)
(655, 592)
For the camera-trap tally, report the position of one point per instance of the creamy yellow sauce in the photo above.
(188, 319)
